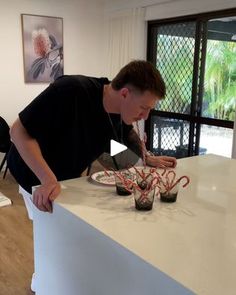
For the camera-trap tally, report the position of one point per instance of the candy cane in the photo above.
(178, 180)
(153, 170)
(126, 182)
(164, 184)
(147, 176)
(170, 181)
(152, 184)
(137, 171)
(157, 174)
(163, 173)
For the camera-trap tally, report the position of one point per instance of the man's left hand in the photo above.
(161, 161)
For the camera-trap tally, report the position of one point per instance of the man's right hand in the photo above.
(30, 152)
(45, 194)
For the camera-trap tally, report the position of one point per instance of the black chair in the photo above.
(5, 143)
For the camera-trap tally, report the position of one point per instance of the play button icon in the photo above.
(116, 147)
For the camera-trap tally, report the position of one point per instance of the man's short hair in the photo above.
(141, 75)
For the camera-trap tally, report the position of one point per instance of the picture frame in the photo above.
(42, 38)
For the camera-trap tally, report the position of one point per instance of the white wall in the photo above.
(159, 9)
(186, 7)
(83, 46)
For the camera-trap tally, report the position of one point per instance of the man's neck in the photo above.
(111, 100)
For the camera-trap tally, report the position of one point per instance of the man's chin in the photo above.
(128, 122)
(131, 121)
(135, 120)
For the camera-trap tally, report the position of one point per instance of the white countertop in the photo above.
(192, 240)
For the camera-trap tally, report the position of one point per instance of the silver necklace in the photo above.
(143, 147)
(114, 130)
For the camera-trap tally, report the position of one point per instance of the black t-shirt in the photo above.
(70, 124)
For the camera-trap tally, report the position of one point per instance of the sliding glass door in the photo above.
(197, 59)
(219, 96)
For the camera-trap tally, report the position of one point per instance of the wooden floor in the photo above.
(16, 243)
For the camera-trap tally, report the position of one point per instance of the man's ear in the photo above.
(124, 92)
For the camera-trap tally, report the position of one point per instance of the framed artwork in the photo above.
(42, 48)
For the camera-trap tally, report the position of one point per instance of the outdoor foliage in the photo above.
(220, 80)
(175, 61)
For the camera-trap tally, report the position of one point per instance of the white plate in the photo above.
(101, 177)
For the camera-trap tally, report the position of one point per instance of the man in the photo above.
(70, 124)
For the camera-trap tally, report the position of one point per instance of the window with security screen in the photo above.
(174, 57)
(175, 60)
(170, 137)
(196, 58)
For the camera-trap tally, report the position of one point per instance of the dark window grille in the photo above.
(175, 60)
(170, 137)
(177, 48)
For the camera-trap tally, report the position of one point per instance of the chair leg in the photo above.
(3, 162)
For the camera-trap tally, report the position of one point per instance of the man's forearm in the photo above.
(31, 153)
(134, 143)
